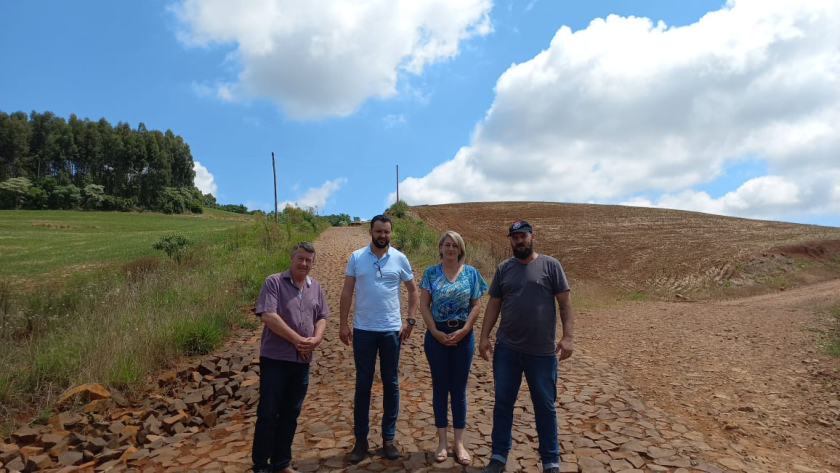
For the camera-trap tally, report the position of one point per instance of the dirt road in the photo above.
(729, 386)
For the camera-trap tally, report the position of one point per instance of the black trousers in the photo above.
(283, 386)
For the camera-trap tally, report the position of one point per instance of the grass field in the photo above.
(52, 244)
(84, 296)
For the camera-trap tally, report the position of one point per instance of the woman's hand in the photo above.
(457, 336)
(442, 338)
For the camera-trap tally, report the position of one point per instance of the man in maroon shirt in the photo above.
(293, 311)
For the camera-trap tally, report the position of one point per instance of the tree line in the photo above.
(47, 162)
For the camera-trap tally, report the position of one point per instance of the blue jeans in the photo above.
(450, 368)
(541, 375)
(366, 344)
(283, 386)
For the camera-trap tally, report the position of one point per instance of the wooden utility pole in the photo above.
(274, 171)
(398, 182)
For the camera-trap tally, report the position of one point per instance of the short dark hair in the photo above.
(381, 218)
(306, 247)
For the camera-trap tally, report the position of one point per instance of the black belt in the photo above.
(452, 323)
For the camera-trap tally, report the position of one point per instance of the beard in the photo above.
(382, 243)
(523, 251)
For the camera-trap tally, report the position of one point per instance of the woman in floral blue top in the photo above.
(450, 302)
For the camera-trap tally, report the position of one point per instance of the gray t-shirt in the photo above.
(529, 310)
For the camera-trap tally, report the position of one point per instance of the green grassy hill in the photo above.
(84, 296)
(50, 244)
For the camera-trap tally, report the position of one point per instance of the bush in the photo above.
(65, 197)
(399, 209)
(36, 199)
(176, 200)
(198, 336)
(338, 220)
(13, 192)
(92, 196)
(175, 246)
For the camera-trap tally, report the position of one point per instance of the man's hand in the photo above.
(485, 348)
(565, 347)
(306, 346)
(405, 331)
(345, 334)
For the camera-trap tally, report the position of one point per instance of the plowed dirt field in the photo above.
(747, 370)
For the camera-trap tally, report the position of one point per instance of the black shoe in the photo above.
(359, 452)
(553, 469)
(389, 449)
(495, 466)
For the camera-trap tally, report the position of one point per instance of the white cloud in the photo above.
(225, 92)
(326, 57)
(315, 197)
(392, 121)
(767, 197)
(627, 107)
(203, 179)
(202, 89)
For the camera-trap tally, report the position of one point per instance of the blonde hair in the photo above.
(458, 241)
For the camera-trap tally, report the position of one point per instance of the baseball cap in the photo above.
(519, 226)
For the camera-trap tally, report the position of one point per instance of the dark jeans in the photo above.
(366, 345)
(450, 368)
(541, 375)
(283, 386)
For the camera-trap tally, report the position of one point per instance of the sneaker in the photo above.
(553, 469)
(359, 452)
(389, 449)
(495, 466)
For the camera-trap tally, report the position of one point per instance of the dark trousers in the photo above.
(283, 386)
(450, 368)
(366, 345)
(541, 375)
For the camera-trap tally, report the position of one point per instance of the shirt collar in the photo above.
(287, 274)
(370, 251)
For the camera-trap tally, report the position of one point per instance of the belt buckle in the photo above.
(453, 322)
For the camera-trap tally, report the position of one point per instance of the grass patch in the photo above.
(636, 296)
(116, 326)
(590, 295)
(198, 336)
(42, 416)
(831, 337)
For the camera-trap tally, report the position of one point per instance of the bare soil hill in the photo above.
(746, 371)
(652, 250)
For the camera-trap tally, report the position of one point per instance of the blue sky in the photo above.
(726, 108)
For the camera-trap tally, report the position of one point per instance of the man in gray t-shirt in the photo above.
(524, 290)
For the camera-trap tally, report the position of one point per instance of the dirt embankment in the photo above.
(654, 251)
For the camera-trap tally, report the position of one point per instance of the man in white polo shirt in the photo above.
(374, 273)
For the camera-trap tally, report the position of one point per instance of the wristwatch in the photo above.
(411, 321)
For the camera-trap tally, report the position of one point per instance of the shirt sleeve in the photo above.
(351, 266)
(406, 274)
(478, 286)
(560, 283)
(426, 280)
(267, 301)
